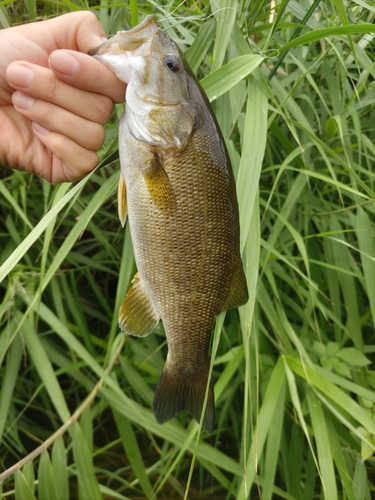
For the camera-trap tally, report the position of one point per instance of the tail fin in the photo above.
(175, 394)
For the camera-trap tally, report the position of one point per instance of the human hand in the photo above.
(53, 124)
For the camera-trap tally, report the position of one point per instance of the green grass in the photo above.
(293, 88)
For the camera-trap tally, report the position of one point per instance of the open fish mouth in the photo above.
(130, 40)
(131, 55)
(149, 23)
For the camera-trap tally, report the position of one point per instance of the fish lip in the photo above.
(148, 21)
(159, 103)
(128, 40)
(95, 50)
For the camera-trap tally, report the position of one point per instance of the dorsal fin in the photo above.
(237, 294)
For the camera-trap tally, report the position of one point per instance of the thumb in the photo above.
(77, 31)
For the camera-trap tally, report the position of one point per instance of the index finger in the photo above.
(76, 31)
(84, 72)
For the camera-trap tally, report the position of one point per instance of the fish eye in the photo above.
(172, 62)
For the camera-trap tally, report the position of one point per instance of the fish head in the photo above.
(158, 78)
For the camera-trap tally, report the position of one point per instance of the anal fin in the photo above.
(121, 198)
(137, 315)
(237, 294)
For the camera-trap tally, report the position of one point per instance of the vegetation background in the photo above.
(293, 87)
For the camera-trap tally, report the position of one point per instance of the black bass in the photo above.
(177, 188)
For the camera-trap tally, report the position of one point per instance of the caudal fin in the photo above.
(174, 394)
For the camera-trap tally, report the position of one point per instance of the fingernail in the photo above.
(39, 129)
(21, 100)
(64, 63)
(19, 76)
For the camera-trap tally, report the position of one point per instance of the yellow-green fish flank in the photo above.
(178, 191)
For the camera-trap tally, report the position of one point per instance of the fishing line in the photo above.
(197, 17)
(174, 10)
(267, 54)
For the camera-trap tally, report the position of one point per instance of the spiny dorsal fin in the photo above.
(121, 198)
(158, 184)
(137, 316)
(237, 294)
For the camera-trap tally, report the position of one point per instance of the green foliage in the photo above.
(293, 87)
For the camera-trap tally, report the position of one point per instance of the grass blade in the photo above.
(46, 486)
(255, 131)
(265, 418)
(22, 489)
(321, 436)
(60, 470)
(88, 486)
(9, 380)
(223, 79)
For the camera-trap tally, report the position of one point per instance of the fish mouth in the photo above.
(128, 41)
(154, 101)
(148, 22)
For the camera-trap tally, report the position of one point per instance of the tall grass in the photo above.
(292, 85)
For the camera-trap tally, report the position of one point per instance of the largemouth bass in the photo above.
(177, 188)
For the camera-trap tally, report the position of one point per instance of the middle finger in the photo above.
(41, 83)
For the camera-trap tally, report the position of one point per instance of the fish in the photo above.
(178, 193)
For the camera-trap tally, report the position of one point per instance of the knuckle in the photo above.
(53, 88)
(104, 106)
(85, 162)
(77, 166)
(92, 161)
(88, 15)
(95, 136)
(42, 112)
(48, 87)
(98, 76)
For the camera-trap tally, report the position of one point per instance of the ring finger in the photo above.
(86, 133)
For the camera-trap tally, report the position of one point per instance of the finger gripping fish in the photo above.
(177, 188)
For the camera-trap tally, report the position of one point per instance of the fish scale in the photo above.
(183, 214)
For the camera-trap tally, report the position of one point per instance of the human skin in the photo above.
(54, 98)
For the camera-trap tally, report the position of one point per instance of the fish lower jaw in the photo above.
(164, 106)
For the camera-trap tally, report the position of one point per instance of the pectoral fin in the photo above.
(137, 316)
(121, 198)
(237, 294)
(158, 184)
